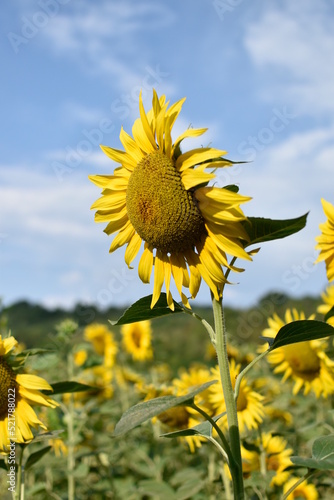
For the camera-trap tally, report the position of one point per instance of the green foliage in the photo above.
(322, 455)
(141, 310)
(67, 387)
(140, 465)
(301, 331)
(36, 457)
(143, 411)
(260, 229)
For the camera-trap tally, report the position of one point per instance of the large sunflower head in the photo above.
(308, 365)
(161, 197)
(18, 393)
(326, 240)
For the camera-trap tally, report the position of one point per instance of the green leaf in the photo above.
(141, 310)
(322, 455)
(232, 187)
(34, 352)
(3, 465)
(157, 489)
(260, 229)
(141, 412)
(189, 489)
(203, 429)
(69, 386)
(329, 314)
(300, 331)
(35, 457)
(46, 436)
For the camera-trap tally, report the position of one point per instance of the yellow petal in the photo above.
(191, 132)
(227, 244)
(130, 146)
(221, 197)
(159, 275)
(132, 249)
(119, 156)
(178, 268)
(33, 382)
(195, 275)
(122, 237)
(146, 125)
(192, 178)
(117, 225)
(196, 156)
(6, 345)
(145, 264)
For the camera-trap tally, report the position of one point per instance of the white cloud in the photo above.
(296, 43)
(291, 175)
(100, 37)
(38, 206)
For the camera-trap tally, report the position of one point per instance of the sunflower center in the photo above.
(304, 361)
(161, 210)
(136, 338)
(7, 382)
(242, 401)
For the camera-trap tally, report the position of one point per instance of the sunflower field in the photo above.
(99, 371)
(168, 401)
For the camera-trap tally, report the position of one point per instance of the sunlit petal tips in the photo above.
(326, 240)
(160, 196)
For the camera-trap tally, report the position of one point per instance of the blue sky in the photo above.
(259, 75)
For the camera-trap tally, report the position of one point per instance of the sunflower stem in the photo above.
(70, 432)
(225, 448)
(230, 402)
(244, 371)
(206, 325)
(19, 492)
(297, 483)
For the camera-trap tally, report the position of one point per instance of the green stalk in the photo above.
(70, 432)
(297, 483)
(230, 402)
(19, 493)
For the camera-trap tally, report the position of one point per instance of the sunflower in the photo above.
(158, 197)
(17, 393)
(137, 340)
(102, 340)
(326, 240)
(273, 453)
(249, 403)
(308, 364)
(328, 299)
(196, 375)
(303, 490)
(59, 447)
(80, 357)
(184, 417)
